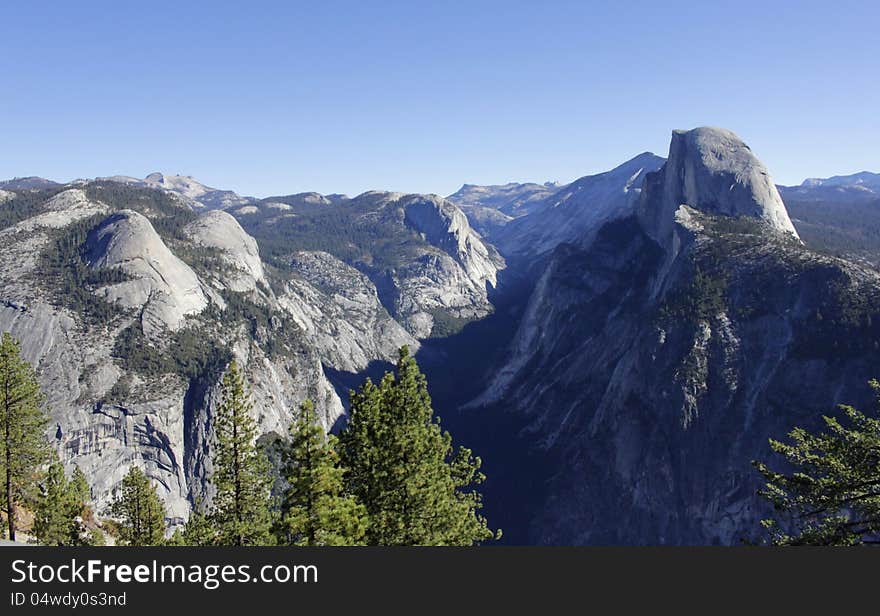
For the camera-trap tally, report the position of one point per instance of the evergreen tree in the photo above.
(315, 510)
(832, 496)
(60, 511)
(240, 511)
(23, 446)
(198, 530)
(140, 511)
(402, 467)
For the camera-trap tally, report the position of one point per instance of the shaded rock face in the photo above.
(163, 285)
(653, 364)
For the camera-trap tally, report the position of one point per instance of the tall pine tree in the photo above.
(402, 467)
(240, 510)
(315, 510)
(61, 508)
(140, 511)
(24, 450)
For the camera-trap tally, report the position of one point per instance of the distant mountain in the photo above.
(866, 179)
(29, 183)
(839, 215)
(130, 302)
(432, 271)
(186, 186)
(652, 363)
(513, 199)
(575, 212)
(862, 186)
(628, 342)
(491, 207)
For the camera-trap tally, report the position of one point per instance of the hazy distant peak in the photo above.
(866, 179)
(28, 183)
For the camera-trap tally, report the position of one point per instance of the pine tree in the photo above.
(140, 511)
(240, 511)
(832, 495)
(402, 467)
(24, 450)
(315, 510)
(61, 508)
(198, 530)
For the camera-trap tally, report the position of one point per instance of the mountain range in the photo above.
(617, 349)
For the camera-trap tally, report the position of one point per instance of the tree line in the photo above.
(391, 477)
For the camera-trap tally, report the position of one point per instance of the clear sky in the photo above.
(280, 97)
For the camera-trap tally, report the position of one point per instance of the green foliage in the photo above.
(198, 530)
(61, 508)
(839, 226)
(273, 329)
(139, 511)
(240, 512)
(71, 282)
(190, 353)
(23, 446)
(702, 298)
(402, 467)
(315, 510)
(120, 392)
(832, 497)
(846, 322)
(445, 324)
(96, 538)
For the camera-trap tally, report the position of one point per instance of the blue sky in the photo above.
(270, 97)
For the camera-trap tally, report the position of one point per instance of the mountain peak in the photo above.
(711, 170)
(864, 179)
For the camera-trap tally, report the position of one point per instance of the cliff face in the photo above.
(129, 304)
(713, 170)
(654, 363)
(431, 269)
(675, 323)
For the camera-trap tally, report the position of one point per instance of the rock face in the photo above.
(575, 212)
(652, 364)
(219, 230)
(713, 170)
(454, 279)
(339, 307)
(432, 271)
(667, 322)
(118, 398)
(161, 284)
